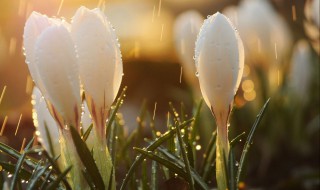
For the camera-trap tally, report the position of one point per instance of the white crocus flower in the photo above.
(186, 29)
(301, 70)
(51, 58)
(100, 63)
(219, 61)
(100, 68)
(42, 119)
(265, 34)
(52, 62)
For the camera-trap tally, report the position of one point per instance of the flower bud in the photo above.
(186, 29)
(265, 34)
(301, 70)
(52, 63)
(100, 63)
(219, 61)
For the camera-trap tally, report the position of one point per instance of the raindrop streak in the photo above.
(99, 3)
(22, 7)
(161, 32)
(180, 79)
(154, 10)
(22, 145)
(3, 125)
(60, 6)
(275, 50)
(29, 85)
(2, 94)
(12, 46)
(18, 125)
(154, 111)
(294, 14)
(278, 77)
(159, 9)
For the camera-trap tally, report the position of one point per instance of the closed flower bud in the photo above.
(265, 34)
(301, 70)
(51, 59)
(186, 29)
(100, 63)
(219, 61)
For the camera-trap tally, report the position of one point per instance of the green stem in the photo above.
(103, 160)
(70, 157)
(222, 145)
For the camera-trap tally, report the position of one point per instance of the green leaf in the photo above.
(55, 184)
(111, 179)
(154, 165)
(88, 179)
(87, 133)
(144, 175)
(24, 174)
(56, 168)
(38, 173)
(208, 158)
(185, 158)
(87, 159)
(15, 178)
(231, 165)
(45, 181)
(15, 154)
(249, 140)
(115, 110)
(181, 164)
(47, 133)
(151, 147)
(237, 139)
(173, 166)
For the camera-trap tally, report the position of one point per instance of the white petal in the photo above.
(100, 60)
(55, 59)
(186, 29)
(41, 118)
(219, 58)
(34, 26)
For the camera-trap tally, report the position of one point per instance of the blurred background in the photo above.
(281, 40)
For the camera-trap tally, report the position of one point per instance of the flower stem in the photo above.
(70, 157)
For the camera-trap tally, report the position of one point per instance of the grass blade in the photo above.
(47, 133)
(151, 147)
(115, 110)
(231, 164)
(15, 177)
(88, 179)
(249, 139)
(43, 185)
(185, 158)
(87, 159)
(177, 161)
(55, 184)
(208, 155)
(33, 181)
(237, 139)
(24, 174)
(174, 164)
(87, 133)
